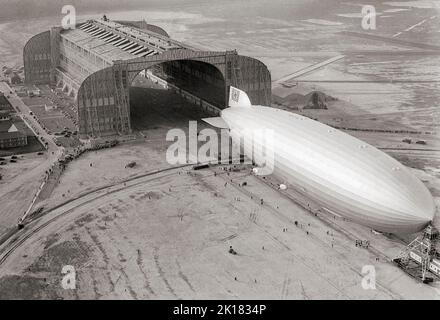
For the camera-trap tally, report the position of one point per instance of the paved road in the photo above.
(308, 69)
(391, 40)
(15, 189)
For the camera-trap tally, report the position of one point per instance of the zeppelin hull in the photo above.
(339, 172)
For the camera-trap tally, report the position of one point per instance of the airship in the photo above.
(342, 174)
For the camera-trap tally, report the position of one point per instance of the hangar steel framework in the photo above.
(96, 62)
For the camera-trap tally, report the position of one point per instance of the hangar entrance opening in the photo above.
(170, 94)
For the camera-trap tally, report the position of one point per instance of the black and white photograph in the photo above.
(219, 150)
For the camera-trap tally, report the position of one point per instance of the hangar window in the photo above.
(124, 78)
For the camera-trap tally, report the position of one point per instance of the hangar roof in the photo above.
(115, 41)
(105, 50)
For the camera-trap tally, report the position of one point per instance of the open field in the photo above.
(19, 184)
(52, 119)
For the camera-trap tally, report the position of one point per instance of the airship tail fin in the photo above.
(238, 98)
(217, 122)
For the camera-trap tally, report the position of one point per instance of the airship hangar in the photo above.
(96, 62)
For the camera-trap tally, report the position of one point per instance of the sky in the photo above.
(39, 8)
(285, 9)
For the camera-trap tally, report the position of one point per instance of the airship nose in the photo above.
(412, 198)
(411, 207)
(427, 213)
(424, 206)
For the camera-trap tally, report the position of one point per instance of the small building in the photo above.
(49, 107)
(5, 115)
(10, 136)
(4, 103)
(14, 78)
(6, 108)
(34, 93)
(7, 71)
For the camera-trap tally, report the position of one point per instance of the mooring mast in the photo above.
(420, 258)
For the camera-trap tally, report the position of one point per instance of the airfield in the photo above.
(157, 231)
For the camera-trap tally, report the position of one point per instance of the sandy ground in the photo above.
(18, 186)
(168, 237)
